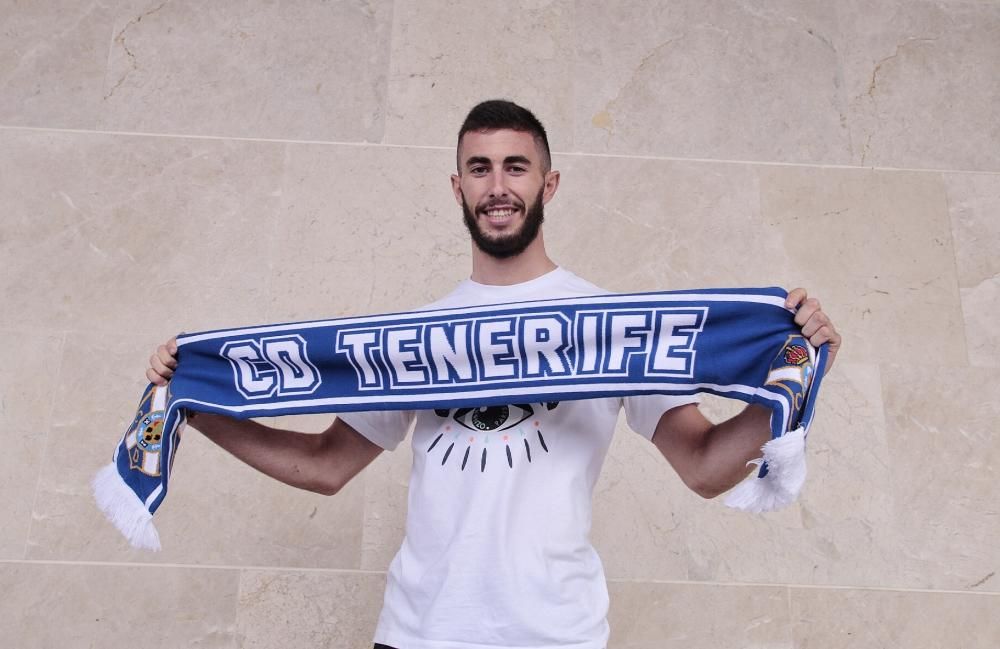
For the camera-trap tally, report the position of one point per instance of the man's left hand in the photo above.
(815, 323)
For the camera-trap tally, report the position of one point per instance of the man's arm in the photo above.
(323, 463)
(712, 458)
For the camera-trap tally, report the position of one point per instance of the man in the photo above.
(496, 552)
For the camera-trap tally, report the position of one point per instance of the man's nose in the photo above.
(498, 187)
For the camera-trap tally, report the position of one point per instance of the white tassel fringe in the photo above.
(786, 473)
(124, 509)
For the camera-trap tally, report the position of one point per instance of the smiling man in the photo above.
(499, 171)
(496, 551)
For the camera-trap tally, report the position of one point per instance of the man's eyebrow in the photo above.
(477, 160)
(509, 160)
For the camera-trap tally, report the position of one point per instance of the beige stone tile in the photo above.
(386, 489)
(697, 616)
(52, 62)
(723, 80)
(942, 432)
(640, 225)
(981, 305)
(19, 466)
(365, 230)
(876, 248)
(29, 372)
(314, 71)
(448, 57)
(921, 82)
(118, 233)
(48, 606)
(647, 525)
(219, 511)
(872, 619)
(308, 609)
(974, 205)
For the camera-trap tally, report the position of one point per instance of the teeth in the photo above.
(500, 212)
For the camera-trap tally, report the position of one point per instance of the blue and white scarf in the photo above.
(730, 342)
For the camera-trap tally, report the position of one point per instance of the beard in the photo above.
(507, 245)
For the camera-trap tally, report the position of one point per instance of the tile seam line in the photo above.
(195, 566)
(358, 571)
(429, 147)
(750, 584)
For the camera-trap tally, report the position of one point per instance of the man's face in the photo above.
(502, 188)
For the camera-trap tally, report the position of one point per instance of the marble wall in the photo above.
(179, 165)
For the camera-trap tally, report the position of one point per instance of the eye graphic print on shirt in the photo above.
(514, 432)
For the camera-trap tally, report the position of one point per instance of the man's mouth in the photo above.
(499, 214)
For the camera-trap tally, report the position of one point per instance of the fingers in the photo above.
(160, 368)
(823, 335)
(795, 297)
(811, 318)
(816, 324)
(155, 378)
(807, 310)
(832, 339)
(162, 363)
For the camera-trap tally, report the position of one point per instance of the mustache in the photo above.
(495, 203)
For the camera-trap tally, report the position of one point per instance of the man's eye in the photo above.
(478, 170)
(517, 170)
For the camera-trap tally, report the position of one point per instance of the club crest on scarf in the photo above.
(792, 372)
(510, 431)
(144, 440)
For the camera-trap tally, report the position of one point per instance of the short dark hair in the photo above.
(502, 114)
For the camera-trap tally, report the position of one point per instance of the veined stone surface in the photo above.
(173, 166)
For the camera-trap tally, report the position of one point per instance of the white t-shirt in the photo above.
(496, 552)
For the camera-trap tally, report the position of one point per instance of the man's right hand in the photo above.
(162, 363)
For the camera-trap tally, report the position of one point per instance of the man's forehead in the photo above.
(497, 144)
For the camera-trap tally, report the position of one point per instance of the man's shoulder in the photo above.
(581, 287)
(560, 283)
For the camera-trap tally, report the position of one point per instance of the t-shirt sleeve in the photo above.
(386, 428)
(643, 412)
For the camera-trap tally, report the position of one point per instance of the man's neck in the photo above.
(530, 264)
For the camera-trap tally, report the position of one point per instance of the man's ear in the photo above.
(456, 188)
(551, 185)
